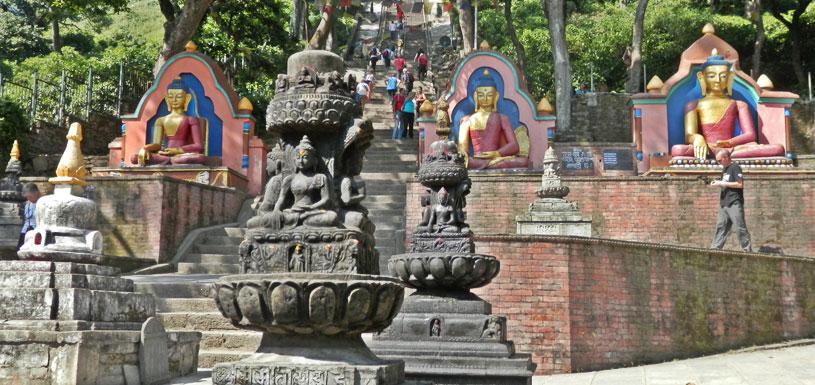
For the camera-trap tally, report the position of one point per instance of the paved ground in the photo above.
(788, 364)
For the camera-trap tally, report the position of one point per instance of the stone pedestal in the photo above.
(79, 324)
(444, 333)
(550, 214)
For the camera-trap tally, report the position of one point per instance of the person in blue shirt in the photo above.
(408, 113)
(391, 83)
(31, 194)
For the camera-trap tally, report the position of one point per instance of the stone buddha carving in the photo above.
(489, 131)
(308, 189)
(177, 137)
(710, 122)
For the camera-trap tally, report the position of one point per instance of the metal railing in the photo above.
(53, 98)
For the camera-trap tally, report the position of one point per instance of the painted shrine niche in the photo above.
(491, 117)
(709, 105)
(190, 125)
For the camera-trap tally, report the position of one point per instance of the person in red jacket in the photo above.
(399, 64)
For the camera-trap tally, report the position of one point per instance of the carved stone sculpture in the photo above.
(550, 214)
(307, 254)
(11, 200)
(444, 330)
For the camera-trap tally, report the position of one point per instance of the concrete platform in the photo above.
(782, 364)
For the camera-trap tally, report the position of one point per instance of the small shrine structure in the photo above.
(191, 125)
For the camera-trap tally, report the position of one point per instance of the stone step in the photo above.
(382, 220)
(387, 212)
(222, 240)
(212, 258)
(400, 206)
(374, 168)
(216, 249)
(403, 145)
(382, 233)
(192, 305)
(177, 289)
(390, 157)
(210, 358)
(375, 189)
(389, 177)
(383, 199)
(234, 232)
(389, 242)
(195, 321)
(234, 341)
(207, 268)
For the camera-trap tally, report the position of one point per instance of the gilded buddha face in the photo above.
(176, 99)
(305, 159)
(716, 79)
(486, 98)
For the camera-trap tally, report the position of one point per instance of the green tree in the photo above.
(789, 13)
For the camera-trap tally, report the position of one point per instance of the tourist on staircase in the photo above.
(408, 110)
(421, 61)
(392, 30)
(373, 57)
(387, 54)
(398, 102)
(408, 79)
(370, 79)
(361, 95)
(419, 98)
(391, 83)
(399, 64)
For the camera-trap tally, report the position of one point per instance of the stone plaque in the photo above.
(618, 159)
(576, 159)
(153, 353)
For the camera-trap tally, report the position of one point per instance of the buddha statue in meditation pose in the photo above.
(710, 122)
(177, 137)
(308, 189)
(490, 132)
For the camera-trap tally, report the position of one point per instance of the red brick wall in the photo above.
(147, 217)
(580, 304)
(780, 210)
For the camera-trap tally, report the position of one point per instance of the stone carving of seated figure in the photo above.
(710, 122)
(310, 190)
(489, 131)
(183, 133)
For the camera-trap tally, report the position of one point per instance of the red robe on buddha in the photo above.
(188, 137)
(743, 145)
(497, 136)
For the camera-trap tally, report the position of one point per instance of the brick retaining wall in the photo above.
(147, 217)
(780, 210)
(579, 304)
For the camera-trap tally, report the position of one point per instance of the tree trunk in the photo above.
(632, 86)
(465, 22)
(455, 28)
(352, 40)
(179, 27)
(520, 54)
(794, 25)
(560, 56)
(296, 20)
(753, 12)
(326, 26)
(56, 38)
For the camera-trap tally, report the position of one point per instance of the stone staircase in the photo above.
(214, 254)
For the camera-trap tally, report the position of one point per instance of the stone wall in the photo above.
(599, 117)
(780, 210)
(147, 217)
(580, 304)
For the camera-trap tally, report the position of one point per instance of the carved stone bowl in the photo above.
(552, 192)
(441, 174)
(440, 270)
(309, 303)
(307, 111)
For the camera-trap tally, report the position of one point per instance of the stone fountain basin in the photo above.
(444, 270)
(309, 303)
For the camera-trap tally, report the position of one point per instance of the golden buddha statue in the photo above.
(490, 132)
(710, 122)
(177, 137)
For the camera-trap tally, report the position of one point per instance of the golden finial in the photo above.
(765, 83)
(484, 46)
(654, 85)
(714, 52)
(426, 109)
(15, 150)
(191, 46)
(708, 29)
(245, 105)
(544, 107)
(71, 168)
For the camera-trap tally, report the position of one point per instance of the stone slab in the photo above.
(67, 281)
(58, 267)
(263, 373)
(153, 353)
(49, 325)
(450, 328)
(74, 304)
(471, 304)
(530, 226)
